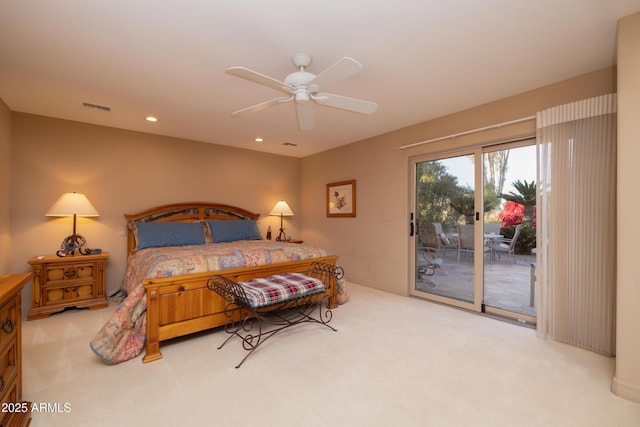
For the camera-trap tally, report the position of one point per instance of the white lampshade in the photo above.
(72, 204)
(281, 209)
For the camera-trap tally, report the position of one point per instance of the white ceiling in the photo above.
(422, 59)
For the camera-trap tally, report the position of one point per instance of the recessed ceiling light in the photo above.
(151, 119)
(259, 139)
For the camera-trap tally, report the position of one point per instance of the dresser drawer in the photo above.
(10, 393)
(9, 372)
(8, 321)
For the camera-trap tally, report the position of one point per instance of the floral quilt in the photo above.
(123, 336)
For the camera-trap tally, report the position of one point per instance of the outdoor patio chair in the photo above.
(506, 246)
(426, 265)
(444, 242)
(466, 243)
(492, 227)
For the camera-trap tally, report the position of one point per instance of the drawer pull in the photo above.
(71, 289)
(8, 326)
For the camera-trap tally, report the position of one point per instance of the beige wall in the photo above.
(5, 189)
(122, 171)
(374, 246)
(627, 378)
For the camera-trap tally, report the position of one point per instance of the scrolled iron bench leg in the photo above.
(282, 315)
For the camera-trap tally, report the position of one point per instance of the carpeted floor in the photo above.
(394, 361)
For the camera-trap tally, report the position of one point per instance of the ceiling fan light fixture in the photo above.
(302, 96)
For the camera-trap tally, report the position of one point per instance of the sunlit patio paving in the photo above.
(507, 286)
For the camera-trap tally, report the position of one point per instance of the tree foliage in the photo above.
(441, 199)
(435, 188)
(464, 204)
(495, 169)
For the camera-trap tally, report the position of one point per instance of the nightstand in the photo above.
(63, 282)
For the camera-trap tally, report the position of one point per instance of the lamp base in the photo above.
(70, 244)
(282, 237)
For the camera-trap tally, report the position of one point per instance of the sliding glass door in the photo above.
(509, 214)
(476, 249)
(444, 225)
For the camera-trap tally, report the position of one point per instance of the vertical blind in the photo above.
(576, 230)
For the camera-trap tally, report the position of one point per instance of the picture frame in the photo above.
(341, 199)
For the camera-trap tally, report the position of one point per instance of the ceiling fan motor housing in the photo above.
(300, 82)
(299, 78)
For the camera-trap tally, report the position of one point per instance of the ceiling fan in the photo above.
(302, 87)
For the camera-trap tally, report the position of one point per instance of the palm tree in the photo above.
(526, 197)
(464, 204)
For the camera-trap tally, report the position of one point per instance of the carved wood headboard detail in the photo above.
(184, 212)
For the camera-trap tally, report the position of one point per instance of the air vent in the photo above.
(96, 106)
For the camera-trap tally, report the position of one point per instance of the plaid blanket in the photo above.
(279, 288)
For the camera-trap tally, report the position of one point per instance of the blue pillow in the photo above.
(154, 234)
(232, 230)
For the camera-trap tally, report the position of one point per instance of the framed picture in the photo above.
(341, 199)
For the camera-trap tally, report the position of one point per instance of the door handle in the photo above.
(411, 225)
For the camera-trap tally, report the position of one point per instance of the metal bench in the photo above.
(271, 304)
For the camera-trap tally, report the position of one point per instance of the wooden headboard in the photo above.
(183, 212)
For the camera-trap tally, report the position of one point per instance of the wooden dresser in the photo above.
(14, 412)
(63, 282)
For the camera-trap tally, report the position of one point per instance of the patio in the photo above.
(507, 285)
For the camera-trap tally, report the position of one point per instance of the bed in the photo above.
(174, 301)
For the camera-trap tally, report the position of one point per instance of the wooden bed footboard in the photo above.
(182, 305)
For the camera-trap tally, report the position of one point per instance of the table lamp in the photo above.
(72, 204)
(281, 209)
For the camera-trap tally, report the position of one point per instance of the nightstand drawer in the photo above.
(8, 321)
(67, 292)
(55, 273)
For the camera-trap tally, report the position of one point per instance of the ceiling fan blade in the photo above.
(305, 116)
(261, 106)
(345, 103)
(340, 70)
(256, 77)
